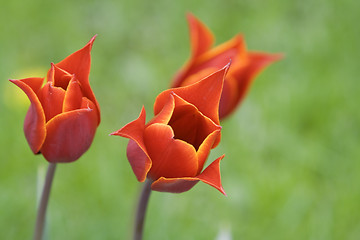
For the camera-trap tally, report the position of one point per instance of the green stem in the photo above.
(41, 214)
(141, 210)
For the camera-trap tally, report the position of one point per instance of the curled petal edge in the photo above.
(210, 176)
(140, 163)
(34, 124)
(204, 94)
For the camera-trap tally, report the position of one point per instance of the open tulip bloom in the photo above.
(171, 149)
(62, 118)
(205, 59)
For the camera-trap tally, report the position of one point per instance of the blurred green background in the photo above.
(291, 170)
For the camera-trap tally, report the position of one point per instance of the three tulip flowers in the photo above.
(169, 151)
(172, 148)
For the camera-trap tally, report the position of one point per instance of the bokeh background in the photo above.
(292, 165)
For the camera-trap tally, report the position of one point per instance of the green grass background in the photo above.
(292, 165)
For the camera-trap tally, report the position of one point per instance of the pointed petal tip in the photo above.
(221, 189)
(273, 57)
(239, 37)
(227, 66)
(278, 56)
(190, 16)
(92, 40)
(118, 132)
(114, 133)
(269, 57)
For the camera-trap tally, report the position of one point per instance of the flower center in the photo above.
(190, 125)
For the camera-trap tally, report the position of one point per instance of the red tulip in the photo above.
(172, 147)
(204, 59)
(64, 114)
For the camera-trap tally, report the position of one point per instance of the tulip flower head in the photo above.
(245, 66)
(63, 115)
(171, 149)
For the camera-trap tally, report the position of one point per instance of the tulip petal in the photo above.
(201, 38)
(51, 99)
(234, 50)
(258, 61)
(205, 94)
(139, 161)
(210, 176)
(197, 76)
(70, 134)
(165, 114)
(34, 124)
(229, 96)
(34, 83)
(170, 157)
(59, 77)
(174, 185)
(204, 149)
(78, 63)
(213, 59)
(189, 124)
(240, 80)
(134, 131)
(73, 96)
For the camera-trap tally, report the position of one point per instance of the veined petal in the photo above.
(201, 38)
(73, 96)
(70, 134)
(210, 176)
(52, 99)
(170, 157)
(205, 94)
(79, 63)
(34, 124)
(135, 131)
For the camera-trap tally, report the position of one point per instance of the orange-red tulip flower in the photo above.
(172, 147)
(204, 59)
(63, 114)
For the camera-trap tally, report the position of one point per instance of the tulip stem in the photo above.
(141, 210)
(41, 214)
